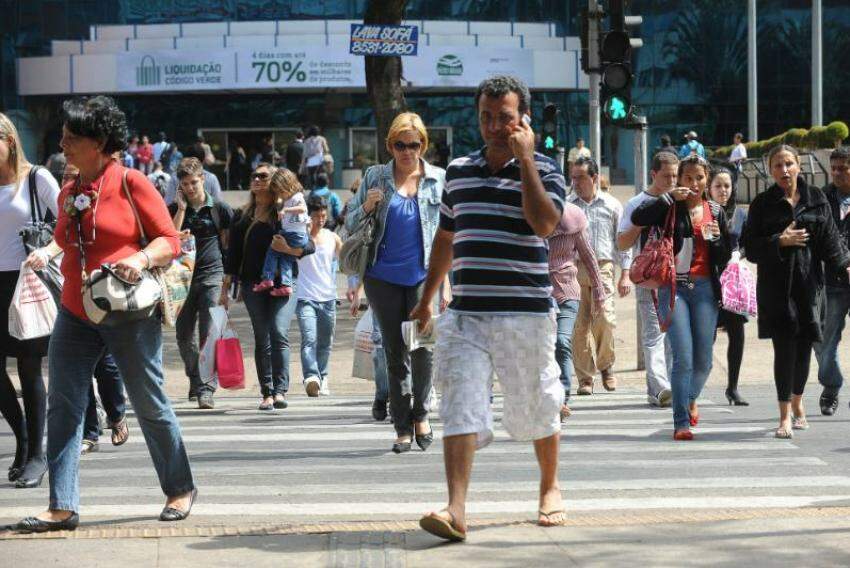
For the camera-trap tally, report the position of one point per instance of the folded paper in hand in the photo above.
(414, 339)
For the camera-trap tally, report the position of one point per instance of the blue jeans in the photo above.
(277, 262)
(566, 316)
(270, 320)
(837, 308)
(691, 336)
(75, 348)
(110, 386)
(379, 361)
(316, 321)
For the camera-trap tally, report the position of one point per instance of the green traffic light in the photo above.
(549, 143)
(616, 108)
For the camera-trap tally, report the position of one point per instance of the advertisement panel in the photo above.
(175, 71)
(383, 41)
(293, 68)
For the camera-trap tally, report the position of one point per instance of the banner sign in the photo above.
(383, 41)
(282, 69)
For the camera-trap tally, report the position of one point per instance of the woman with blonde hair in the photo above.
(16, 206)
(404, 197)
(251, 236)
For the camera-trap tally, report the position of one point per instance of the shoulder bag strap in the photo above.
(245, 243)
(35, 204)
(143, 238)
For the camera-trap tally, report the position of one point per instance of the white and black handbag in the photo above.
(108, 299)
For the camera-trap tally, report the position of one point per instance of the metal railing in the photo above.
(754, 177)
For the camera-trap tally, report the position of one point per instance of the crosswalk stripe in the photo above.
(264, 492)
(423, 464)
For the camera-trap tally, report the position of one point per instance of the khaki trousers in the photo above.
(593, 337)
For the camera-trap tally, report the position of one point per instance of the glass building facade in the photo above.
(691, 73)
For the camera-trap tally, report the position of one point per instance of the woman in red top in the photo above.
(95, 210)
(144, 155)
(702, 249)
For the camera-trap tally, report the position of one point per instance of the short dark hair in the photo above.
(660, 159)
(316, 203)
(592, 167)
(313, 131)
(98, 118)
(322, 179)
(666, 140)
(498, 86)
(299, 133)
(841, 153)
(738, 135)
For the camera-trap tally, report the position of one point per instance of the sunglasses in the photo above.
(260, 177)
(401, 146)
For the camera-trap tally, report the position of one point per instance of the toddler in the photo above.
(293, 228)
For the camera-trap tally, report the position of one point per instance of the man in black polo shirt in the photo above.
(498, 207)
(199, 215)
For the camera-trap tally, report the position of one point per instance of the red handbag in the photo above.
(655, 266)
(229, 364)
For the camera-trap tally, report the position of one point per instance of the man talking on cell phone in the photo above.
(499, 205)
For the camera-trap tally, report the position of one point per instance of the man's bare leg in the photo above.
(551, 501)
(458, 453)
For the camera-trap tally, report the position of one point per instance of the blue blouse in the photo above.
(400, 259)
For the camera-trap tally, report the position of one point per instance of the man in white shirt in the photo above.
(739, 153)
(579, 151)
(594, 332)
(655, 347)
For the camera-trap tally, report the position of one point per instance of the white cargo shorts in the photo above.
(520, 350)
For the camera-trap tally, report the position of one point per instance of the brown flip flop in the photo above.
(120, 432)
(438, 526)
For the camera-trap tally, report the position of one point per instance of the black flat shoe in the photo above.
(734, 398)
(33, 474)
(172, 514)
(828, 404)
(34, 525)
(401, 447)
(16, 470)
(425, 440)
(280, 401)
(379, 410)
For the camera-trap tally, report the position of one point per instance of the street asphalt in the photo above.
(316, 484)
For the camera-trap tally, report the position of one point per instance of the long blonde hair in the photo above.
(17, 159)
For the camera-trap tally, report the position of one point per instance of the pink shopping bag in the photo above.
(229, 364)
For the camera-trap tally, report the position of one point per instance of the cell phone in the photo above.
(526, 119)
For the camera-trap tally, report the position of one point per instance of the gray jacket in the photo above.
(428, 196)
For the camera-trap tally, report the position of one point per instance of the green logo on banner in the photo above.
(148, 73)
(449, 65)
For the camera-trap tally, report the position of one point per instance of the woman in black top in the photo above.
(250, 237)
(789, 234)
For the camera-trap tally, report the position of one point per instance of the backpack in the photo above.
(165, 155)
(655, 266)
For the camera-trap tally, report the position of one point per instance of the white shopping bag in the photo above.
(363, 348)
(206, 357)
(32, 312)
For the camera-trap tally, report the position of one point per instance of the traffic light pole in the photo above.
(639, 123)
(595, 121)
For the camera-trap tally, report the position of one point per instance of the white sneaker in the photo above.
(662, 400)
(312, 386)
(326, 388)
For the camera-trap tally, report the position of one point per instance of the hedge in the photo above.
(829, 136)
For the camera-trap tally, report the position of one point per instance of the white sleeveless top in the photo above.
(316, 280)
(15, 209)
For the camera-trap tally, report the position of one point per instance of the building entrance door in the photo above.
(238, 151)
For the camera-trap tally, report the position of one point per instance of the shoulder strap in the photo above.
(35, 203)
(143, 239)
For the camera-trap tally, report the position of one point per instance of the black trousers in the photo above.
(792, 358)
(409, 374)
